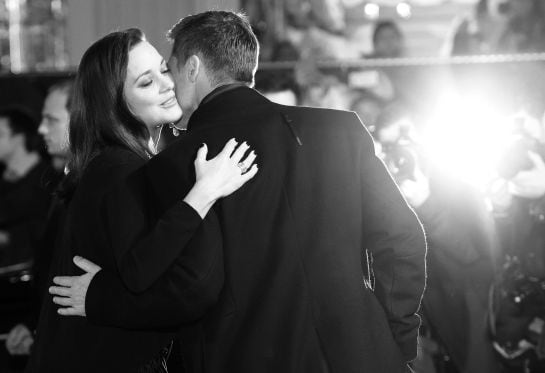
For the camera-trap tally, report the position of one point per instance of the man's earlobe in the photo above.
(194, 68)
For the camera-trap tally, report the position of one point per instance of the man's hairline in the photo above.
(229, 80)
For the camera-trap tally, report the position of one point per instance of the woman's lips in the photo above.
(170, 102)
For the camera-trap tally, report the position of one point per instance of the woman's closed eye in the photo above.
(146, 83)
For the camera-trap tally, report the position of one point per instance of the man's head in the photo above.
(17, 133)
(387, 40)
(211, 49)
(56, 118)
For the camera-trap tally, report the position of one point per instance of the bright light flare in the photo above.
(466, 138)
(404, 10)
(372, 10)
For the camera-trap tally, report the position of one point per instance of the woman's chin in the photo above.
(175, 116)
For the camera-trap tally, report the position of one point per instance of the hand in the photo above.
(499, 196)
(227, 171)
(530, 183)
(416, 191)
(4, 238)
(71, 290)
(221, 175)
(19, 340)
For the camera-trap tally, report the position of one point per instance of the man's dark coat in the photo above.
(324, 262)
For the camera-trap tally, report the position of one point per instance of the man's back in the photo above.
(298, 295)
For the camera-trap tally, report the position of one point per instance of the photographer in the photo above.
(460, 240)
(518, 198)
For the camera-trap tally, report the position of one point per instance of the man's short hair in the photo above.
(21, 121)
(64, 86)
(223, 40)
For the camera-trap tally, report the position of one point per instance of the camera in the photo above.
(515, 157)
(401, 160)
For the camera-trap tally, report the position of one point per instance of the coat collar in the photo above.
(224, 101)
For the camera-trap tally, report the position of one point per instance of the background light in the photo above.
(372, 10)
(403, 10)
(466, 137)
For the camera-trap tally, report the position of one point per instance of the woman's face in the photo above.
(149, 88)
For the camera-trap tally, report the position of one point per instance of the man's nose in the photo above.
(42, 129)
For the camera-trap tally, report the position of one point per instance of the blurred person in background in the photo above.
(25, 194)
(388, 40)
(54, 130)
(518, 199)
(279, 85)
(55, 122)
(368, 106)
(501, 26)
(392, 84)
(460, 236)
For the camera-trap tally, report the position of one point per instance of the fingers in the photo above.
(202, 153)
(62, 291)
(249, 174)
(63, 301)
(16, 335)
(249, 160)
(86, 265)
(66, 281)
(71, 311)
(239, 153)
(19, 340)
(229, 147)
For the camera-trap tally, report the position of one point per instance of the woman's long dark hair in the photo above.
(99, 115)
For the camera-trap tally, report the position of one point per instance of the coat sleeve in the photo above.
(182, 294)
(395, 238)
(144, 248)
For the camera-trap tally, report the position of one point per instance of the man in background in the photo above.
(54, 130)
(24, 199)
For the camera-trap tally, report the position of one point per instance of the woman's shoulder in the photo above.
(114, 159)
(111, 165)
(115, 156)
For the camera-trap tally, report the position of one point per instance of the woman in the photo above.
(123, 94)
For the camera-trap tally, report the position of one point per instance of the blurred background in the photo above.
(453, 92)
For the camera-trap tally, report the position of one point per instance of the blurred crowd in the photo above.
(484, 306)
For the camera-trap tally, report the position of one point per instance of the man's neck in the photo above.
(218, 89)
(207, 95)
(20, 163)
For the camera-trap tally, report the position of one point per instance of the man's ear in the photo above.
(194, 66)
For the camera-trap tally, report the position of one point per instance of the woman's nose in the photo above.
(167, 83)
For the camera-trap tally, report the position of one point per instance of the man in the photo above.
(460, 236)
(54, 130)
(299, 293)
(55, 121)
(518, 200)
(24, 199)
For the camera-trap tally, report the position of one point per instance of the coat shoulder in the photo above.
(323, 116)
